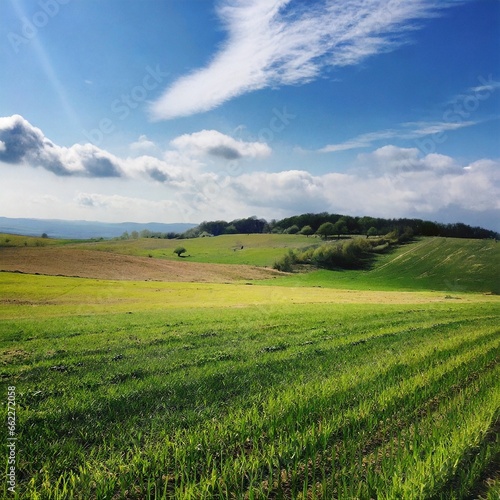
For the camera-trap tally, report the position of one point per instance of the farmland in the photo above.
(358, 384)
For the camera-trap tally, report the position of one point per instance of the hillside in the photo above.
(248, 249)
(448, 264)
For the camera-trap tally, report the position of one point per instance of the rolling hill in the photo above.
(448, 264)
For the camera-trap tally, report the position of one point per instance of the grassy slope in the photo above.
(258, 249)
(448, 264)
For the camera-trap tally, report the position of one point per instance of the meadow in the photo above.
(249, 249)
(310, 389)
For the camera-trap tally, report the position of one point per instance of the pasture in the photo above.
(134, 389)
(248, 249)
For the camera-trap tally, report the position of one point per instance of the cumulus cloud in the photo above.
(292, 190)
(288, 42)
(22, 143)
(389, 181)
(396, 181)
(143, 144)
(216, 144)
(25, 144)
(392, 159)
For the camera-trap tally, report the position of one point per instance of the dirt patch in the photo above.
(13, 356)
(104, 265)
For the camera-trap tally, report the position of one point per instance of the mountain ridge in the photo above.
(83, 229)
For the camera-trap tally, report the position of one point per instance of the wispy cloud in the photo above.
(287, 42)
(361, 141)
(420, 129)
(408, 131)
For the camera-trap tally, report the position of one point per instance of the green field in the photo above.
(448, 264)
(251, 249)
(334, 385)
(16, 240)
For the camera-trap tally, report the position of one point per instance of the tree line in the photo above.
(310, 223)
(325, 225)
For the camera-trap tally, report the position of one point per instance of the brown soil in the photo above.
(104, 265)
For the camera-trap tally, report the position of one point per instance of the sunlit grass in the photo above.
(141, 390)
(448, 264)
(251, 249)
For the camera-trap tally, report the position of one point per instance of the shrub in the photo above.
(286, 263)
(179, 251)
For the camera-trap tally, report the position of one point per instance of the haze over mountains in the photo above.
(81, 229)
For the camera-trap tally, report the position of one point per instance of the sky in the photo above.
(193, 110)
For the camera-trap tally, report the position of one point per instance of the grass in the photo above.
(236, 391)
(251, 249)
(448, 264)
(333, 385)
(15, 240)
(40, 296)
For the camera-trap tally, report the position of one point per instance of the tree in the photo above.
(179, 251)
(326, 229)
(292, 229)
(45, 235)
(307, 231)
(371, 232)
(340, 227)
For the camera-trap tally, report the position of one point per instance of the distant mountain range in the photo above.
(82, 229)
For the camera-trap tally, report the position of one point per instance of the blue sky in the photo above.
(183, 111)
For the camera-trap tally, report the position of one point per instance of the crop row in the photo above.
(304, 402)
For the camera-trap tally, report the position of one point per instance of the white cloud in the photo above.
(214, 143)
(407, 131)
(420, 129)
(390, 182)
(286, 42)
(117, 202)
(26, 144)
(361, 141)
(143, 144)
(397, 182)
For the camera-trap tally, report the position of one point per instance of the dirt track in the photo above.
(104, 265)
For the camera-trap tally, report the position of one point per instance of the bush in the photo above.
(286, 263)
(292, 230)
(179, 251)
